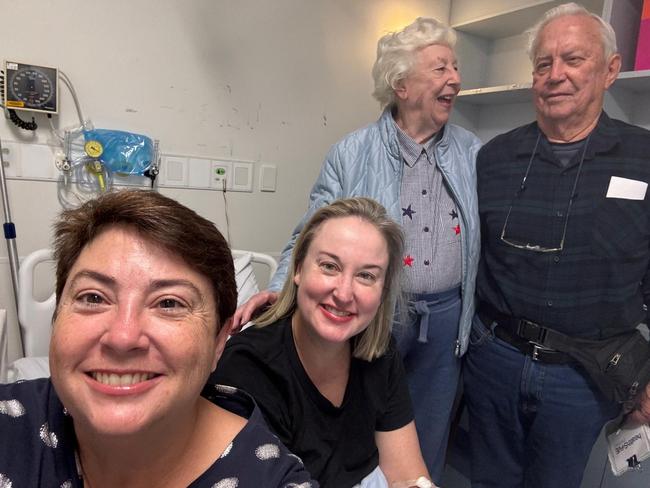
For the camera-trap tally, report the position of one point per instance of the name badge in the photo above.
(628, 445)
(626, 188)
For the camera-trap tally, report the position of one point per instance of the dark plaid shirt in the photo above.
(598, 284)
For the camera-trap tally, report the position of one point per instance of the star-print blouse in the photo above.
(38, 444)
(432, 260)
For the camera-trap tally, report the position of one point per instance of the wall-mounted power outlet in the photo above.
(221, 175)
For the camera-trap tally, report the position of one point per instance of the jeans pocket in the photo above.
(480, 333)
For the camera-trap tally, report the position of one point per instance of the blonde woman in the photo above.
(321, 362)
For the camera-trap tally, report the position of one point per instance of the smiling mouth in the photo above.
(114, 379)
(336, 311)
(446, 98)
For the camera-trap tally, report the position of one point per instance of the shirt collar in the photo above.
(605, 137)
(411, 150)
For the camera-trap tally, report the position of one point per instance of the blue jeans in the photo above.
(531, 424)
(427, 344)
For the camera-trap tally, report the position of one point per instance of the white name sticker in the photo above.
(626, 188)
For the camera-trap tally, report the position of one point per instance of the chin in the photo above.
(113, 423)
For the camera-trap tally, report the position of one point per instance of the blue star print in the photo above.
(408, 211)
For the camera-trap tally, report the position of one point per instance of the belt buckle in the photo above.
(525, 326)
(539, 348)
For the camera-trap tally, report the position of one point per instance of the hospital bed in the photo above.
(35, 316)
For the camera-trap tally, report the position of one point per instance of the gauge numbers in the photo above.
(31, 87)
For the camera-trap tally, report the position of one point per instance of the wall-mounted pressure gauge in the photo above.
(30, 87)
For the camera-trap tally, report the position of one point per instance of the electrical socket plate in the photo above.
(174, 171)
(242, 177)
(221, 172)
(199, 173)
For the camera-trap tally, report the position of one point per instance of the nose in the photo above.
(557, 72)
(343, 290)
(124, 331)
(454, 77)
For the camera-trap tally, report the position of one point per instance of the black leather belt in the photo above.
(523, 334)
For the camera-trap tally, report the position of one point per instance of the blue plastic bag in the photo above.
(120, 152)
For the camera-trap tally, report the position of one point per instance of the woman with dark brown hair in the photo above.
(145, 291)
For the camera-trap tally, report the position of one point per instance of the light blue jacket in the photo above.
(367, 163)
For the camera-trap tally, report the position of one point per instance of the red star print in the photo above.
(408, 260)
(457, 229)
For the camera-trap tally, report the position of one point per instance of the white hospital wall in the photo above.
(266, 81)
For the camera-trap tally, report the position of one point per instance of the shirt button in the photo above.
(426, 229)
(556, 259)
(549, 303)
(426, 262)
(424, 192)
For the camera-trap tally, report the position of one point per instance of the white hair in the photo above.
(607, 34)
(396, 54)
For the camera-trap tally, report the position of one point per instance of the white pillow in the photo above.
(245, 278)
(28, 369)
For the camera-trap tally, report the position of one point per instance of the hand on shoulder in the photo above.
(251, 308)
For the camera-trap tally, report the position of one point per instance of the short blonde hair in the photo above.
(373, 341)
(396, 54)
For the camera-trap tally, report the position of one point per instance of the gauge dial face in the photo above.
(94, 149)
(31, 87)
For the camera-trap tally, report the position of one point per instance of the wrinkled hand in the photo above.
(251, 308)
(641, 414)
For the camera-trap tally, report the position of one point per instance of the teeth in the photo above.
(121, 379)
(337, 312)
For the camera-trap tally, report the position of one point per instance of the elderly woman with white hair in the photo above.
(422, 169)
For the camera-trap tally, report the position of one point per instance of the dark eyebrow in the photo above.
(93, 275)
(160, 284)
(111, 282)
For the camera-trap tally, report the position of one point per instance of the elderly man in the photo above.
(565, 229)
(422, 170)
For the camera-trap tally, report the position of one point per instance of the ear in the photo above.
(296, 278)
(400, 89)
(613, 69)
(296, 275)
(220, 342)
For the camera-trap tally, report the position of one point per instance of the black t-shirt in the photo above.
(336, 444)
